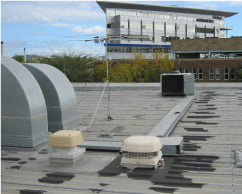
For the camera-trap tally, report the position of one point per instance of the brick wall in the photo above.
(223, 66)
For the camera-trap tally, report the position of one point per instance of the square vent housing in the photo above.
(177, 84)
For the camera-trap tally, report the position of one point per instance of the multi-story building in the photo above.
(141, 28)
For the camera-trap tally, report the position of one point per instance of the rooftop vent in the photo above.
(141, 152)
(177, 84)
(63, 148)
(59, 96)
(24, 114)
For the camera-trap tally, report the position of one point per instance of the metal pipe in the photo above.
(2, 48)
(24, 55)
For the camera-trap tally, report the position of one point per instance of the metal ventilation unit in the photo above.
(141, 152)
(63, 148)
(24, 114)
(177, 84)
(59, 96)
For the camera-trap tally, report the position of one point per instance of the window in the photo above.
(211, 73)
(169, 39)
(186, 70)
(226, 73)
(232, 74)
(217, 73)
(218, 17)
(166, 50)
(194, 71)
(200, 73)
(205, 30)
(109, 25)
(205, 20)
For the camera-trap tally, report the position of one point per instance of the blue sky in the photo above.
(42, 26)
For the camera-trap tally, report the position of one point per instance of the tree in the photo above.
(239, 72)
(121, 72)
(77, 68)
(19, 58)
(138, 67)
(100, 71)
(80, 68)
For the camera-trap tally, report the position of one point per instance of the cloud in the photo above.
(91, 30)
(60, 24)
(79, 29)
(235, 3)
(202, 5)
(213, 5)
(37, 11)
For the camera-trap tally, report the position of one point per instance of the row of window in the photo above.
(167, 30)
(213, 74)
(205, 20)
(205, 30)
(158, 15)
(136, 37)
(129, 49)
(166, 27)
(148, 38)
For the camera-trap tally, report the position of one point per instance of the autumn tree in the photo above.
(100, 71)
(121, 72)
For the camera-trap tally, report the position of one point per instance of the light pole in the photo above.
(107, 68)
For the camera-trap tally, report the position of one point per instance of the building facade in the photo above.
(139, 28)
(208, 48)
(212, 70)
(215, 59)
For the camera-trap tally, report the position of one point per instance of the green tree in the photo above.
(19, 58)
(239, 72)
(77, 68)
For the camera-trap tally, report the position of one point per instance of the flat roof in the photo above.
(108, 4)
(211, 129)
(209, 44)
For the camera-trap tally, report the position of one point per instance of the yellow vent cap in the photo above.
(65, 138)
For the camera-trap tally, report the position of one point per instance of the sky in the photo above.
(45, 27)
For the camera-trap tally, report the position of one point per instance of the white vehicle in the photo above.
(141, 152)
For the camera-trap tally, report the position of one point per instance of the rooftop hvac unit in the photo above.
(177, 84)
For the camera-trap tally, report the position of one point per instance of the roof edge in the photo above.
(124, 5)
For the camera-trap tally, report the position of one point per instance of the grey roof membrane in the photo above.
(211, 129)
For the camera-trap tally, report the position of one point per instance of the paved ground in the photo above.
(211, 129)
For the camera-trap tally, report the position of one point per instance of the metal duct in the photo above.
(24, 114)
(59, 96)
